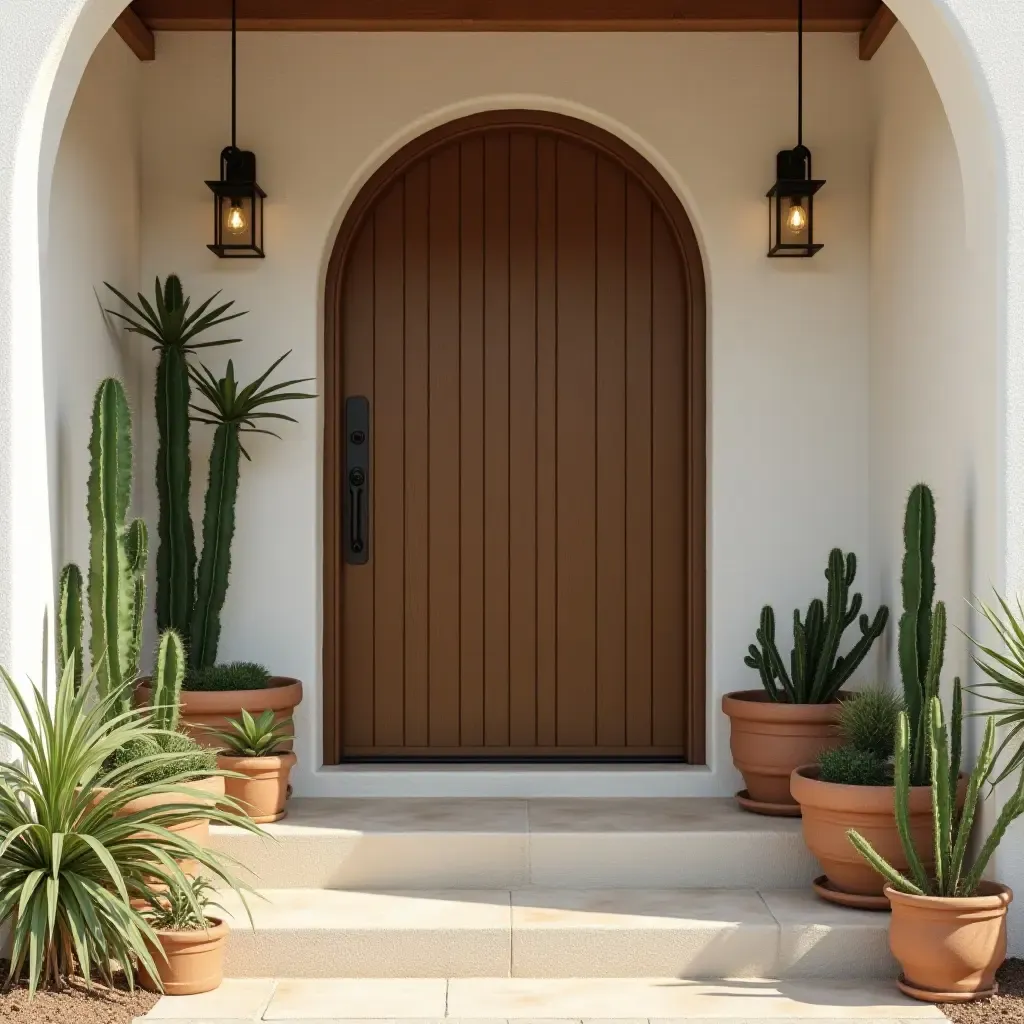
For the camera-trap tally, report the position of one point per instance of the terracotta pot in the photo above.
(949, 949)
(194, 964)
(264, 790)
(202, 710)
(770, 740)
(829, 809)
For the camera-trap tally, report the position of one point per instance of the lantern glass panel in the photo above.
(238, 219)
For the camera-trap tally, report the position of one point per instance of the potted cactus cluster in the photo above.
(794, 716)
(191, 591)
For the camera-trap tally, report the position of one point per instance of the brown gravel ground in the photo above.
(1005, 1008)
(76, 1005)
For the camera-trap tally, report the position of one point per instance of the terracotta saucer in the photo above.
(926, 995)
(824, 888)
(772, 810)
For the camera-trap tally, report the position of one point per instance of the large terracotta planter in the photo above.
(770, 740)
(203, 710)
(949, 949)
(830, 809)
(264, 789)
(194, 964)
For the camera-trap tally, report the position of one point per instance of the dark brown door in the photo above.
(516, 303)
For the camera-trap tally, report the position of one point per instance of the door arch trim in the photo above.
(695, 342)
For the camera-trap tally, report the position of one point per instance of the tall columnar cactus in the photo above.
(168, 675)
(70, 622)
(920, 641)
(116, 550)
(951, 877)
(232, 411)
(167, 322)
(816, 669)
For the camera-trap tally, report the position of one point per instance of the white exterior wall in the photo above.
(93, 237)
(788, 341)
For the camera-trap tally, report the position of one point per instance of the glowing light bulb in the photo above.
(796, 219)
(236, 221)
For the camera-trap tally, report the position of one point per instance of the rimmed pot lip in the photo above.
(268, 763)
(991, 896)
(218, 929)
(757, 706)
(283, 692)
(810, 791)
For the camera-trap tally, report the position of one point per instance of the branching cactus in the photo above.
(70, 622)
(173, 330)
(168, 675)
(921, 639)
(233, 411)
(951, 875)
(817, 671)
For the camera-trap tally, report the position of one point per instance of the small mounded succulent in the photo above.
(182, 908)
(849, 766)
(235, 675)
(254, 737)
(868, 721)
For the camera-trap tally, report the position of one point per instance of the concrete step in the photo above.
(522, 1000)
(514, 844)
(554, 933)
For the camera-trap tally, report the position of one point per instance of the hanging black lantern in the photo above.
(791, 198)
(237, 198)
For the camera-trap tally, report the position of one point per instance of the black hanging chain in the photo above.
(234, 68)
(799, 73)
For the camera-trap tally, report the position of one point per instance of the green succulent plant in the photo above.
(175, 333)
(848, 766)
(246, 736)
(235, 675)
(868, 721)
(183, 908)
(233, 411)
(73, 854)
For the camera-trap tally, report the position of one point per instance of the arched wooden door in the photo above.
(514, 454)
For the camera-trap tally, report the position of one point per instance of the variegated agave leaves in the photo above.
(1006, 672)
(233, 411)
(71, 860)
(952, 877)
(175, 332)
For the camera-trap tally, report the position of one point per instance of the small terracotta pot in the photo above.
(949, 949)
(769, 740)
(194, 964)
(264, 790)
(829, 809)
(203, 710)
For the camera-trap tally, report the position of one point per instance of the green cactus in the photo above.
(920, 641)
(136, 541)
(951, 832)
(817, 671)
(70, 618)
(233, 411)
(112, 580)
(168, 675)
(173, 330)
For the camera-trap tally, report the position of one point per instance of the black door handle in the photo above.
(357, 477)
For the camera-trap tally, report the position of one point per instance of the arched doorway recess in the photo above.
(515, 363)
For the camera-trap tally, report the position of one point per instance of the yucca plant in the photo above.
(253, 737)
(233, 411)
(174, 331)
(1006, 672)
(72, 859)
(952, 876)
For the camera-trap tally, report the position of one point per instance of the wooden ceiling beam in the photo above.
(507, 15)
(134, 31)
(878, 29)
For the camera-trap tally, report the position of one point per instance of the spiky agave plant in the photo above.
(951, 877)
(233, 411)
(72, 858)
(174, 331)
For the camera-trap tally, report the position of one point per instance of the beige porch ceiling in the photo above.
(871, 18)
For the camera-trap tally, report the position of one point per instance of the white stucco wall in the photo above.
(788, 342)
(93, 237)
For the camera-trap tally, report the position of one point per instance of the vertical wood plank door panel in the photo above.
(520, 298)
